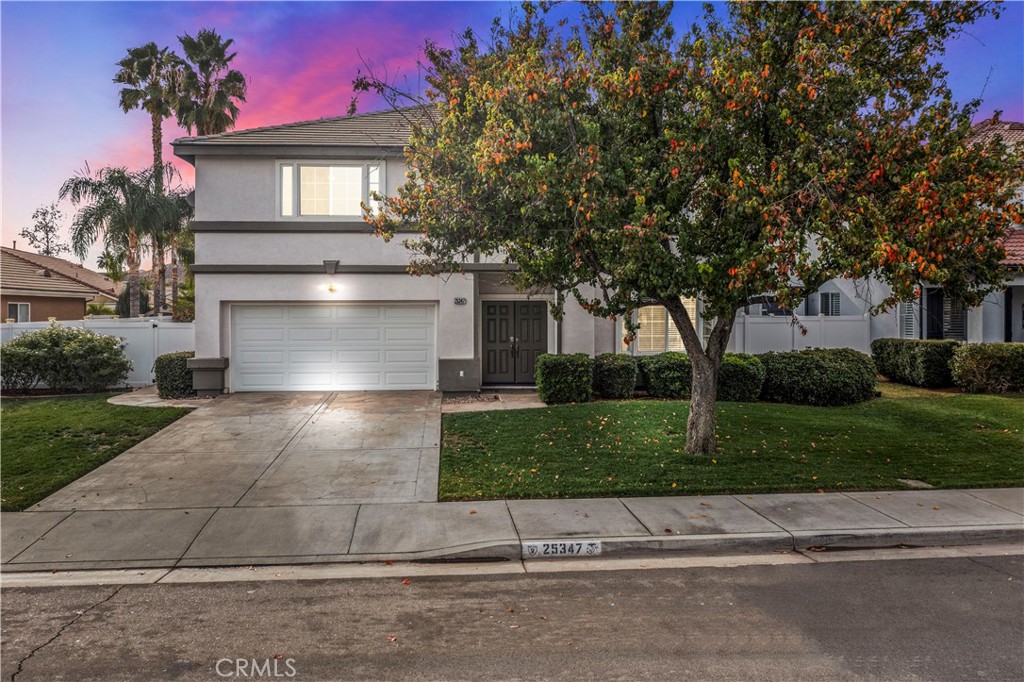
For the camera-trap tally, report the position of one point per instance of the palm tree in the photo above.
(149, 74)
(209, 89)
(176, 216)
(119, 207)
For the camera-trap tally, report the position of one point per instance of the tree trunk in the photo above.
(704, 364)
(174, 274)
(159, 278)
(700, 426)
(158, 155)
(132, 259)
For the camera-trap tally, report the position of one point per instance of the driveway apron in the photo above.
(275, 450)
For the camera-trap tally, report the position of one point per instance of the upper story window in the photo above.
(322, 189)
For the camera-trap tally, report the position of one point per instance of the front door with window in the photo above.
(515, 334)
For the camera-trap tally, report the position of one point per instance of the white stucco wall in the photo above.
(235, 188)
(298, 248)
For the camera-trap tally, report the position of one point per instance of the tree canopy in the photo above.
(769, 149)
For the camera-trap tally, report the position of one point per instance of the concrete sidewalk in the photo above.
(305, 534)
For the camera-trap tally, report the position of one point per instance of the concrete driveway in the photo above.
(275, 450)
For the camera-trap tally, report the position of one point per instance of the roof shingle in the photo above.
(389, 128)
(1014, 245)
(73, 271)
(19, 275)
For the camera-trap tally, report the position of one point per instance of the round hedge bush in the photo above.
(820, 376)
(173, 377)
(668, 375)
(564, 378)
(740, 378)
(614, 376)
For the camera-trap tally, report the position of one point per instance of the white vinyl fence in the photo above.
(760, 334)
(145, 339)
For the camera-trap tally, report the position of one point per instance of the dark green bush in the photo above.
(668, 375)
(19, 368)
(740, 378)
(68, 359)
(614, 376)
(565, 378)
(989, 367)
(820, 376)
(173, 377)
(917, 362)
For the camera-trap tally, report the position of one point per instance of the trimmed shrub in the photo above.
(917, 362)
(614, 376)
(71, 359)
(19, 368)
(740, 378)
(565, 378)
(820, 376)
(173, 377)
(668, 375)
(989, 367)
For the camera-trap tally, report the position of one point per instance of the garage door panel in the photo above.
(302, 312)
(405, 334)
(325, 357)
(261, 381)
(417, 355)
(333, 347)
(259, 313)
(318, 334)
(258, 334)
(261, 357)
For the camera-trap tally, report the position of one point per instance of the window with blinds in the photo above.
(954, 319)
(658, 332)
(829, 303)
(906, 320)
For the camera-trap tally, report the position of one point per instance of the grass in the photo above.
(47, 443)
(636, 448)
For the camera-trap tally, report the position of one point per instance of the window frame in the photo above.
(826, 309)
(297, 164)
(16, 317)
(632, 349)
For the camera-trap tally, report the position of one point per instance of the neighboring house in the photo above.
(295, 292)
(31, 293)
(104, 290)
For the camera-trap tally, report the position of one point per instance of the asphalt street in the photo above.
(923, 619)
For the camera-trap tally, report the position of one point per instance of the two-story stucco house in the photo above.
(294, 291)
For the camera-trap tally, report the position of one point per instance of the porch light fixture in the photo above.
(331, 267)
(331, 288)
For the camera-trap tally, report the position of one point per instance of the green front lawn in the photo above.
(47, 443)
(631, 448)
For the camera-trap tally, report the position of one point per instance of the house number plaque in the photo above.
(459, 300)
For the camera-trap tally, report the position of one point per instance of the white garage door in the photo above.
(333, 347)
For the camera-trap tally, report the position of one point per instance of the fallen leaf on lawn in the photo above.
(406, 581)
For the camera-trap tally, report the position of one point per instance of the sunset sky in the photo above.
(60, 108)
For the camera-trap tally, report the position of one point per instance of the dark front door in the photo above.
(515, 334)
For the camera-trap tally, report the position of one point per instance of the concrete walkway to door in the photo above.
(275, 449)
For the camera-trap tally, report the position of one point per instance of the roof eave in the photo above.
(188, 151)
